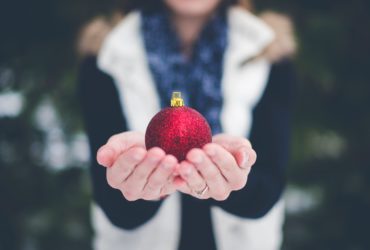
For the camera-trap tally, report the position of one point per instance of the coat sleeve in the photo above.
(103, 117)
(270, 137)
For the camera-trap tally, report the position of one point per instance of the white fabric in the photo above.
(123, 57)
(243, 85)
(237, 233)
(161, 228)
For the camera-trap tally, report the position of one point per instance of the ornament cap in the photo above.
(176, 100)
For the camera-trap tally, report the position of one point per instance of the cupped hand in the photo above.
(136, 172)
(217, 169)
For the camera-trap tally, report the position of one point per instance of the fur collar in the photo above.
(94, 33)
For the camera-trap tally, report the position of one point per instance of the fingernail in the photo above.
(245, 159)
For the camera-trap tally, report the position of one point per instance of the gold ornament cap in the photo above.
(176, 100)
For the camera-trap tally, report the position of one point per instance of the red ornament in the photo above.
(177, 129)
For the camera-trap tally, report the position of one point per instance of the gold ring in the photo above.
(202, 192)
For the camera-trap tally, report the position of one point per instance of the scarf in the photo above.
(199, 77)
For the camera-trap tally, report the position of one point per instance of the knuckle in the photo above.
(130, 196)
(239, 184)
(150, 196)
(225, 195)
(235, 185)
(112, 181)
(222, 196)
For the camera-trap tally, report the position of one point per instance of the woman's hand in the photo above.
(136, 172)
(218, 169)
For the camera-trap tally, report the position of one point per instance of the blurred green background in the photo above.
(44, 183)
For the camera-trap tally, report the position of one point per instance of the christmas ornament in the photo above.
(177, 129)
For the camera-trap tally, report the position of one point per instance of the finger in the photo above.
(252, 157)
(241, 156)
(179, 183)
(118, 144)
(173, 180)
(227, 165)
(218, 187)
(105, 156)
(159, 177)
(136, 181)
(231, 142)
(246, 157)
(221, 158)
(124, 166)
(182, 186)
(239, 147)
(168, 189)
(194, 180)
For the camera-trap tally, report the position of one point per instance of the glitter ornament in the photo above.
(177, 129)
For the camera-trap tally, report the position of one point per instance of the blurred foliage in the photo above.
(43, 208)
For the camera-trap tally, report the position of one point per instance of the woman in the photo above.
(214, 52)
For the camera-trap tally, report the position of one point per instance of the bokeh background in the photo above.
(44, 182)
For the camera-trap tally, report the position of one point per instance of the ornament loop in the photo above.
(176, 100)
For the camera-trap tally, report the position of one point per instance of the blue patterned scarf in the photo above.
(198, 78)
